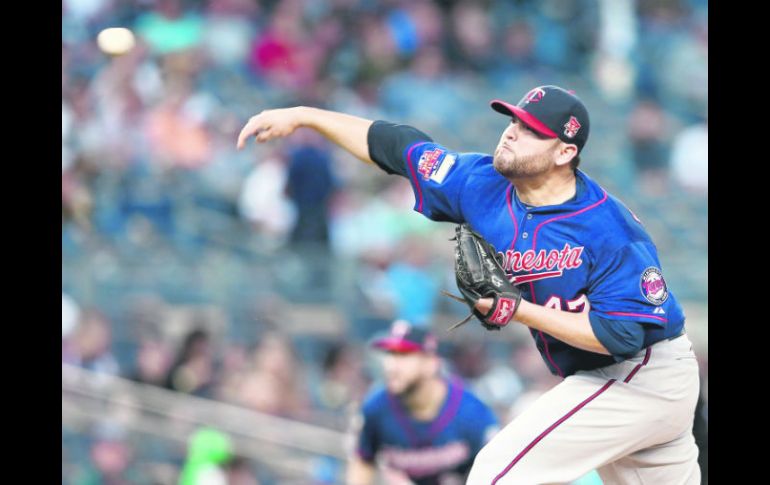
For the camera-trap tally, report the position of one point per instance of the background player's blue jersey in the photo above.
(429, 452)
(553, 251)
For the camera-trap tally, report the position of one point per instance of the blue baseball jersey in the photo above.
(429, 452)
(590, 253)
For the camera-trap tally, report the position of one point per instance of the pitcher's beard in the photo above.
(510, 165)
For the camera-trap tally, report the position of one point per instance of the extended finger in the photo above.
(245, 132)
(249, 129)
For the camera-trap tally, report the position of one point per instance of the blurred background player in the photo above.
(422, 426)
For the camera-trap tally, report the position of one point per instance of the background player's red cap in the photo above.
(405, 337)
(551, 111)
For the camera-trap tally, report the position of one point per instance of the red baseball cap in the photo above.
(405, 338)
(551, 111)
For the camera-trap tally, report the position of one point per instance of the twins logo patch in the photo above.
(653, 286)
(433, 166)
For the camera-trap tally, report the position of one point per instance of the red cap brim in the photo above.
(526, 118)
(397, 345)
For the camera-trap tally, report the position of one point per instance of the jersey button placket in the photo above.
(523, 223)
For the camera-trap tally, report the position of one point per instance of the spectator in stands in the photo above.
(229, 26)
(177, 138)
(90, 346)
(274, 381)
(684, 68)
(193, 370)
(170, 27)
(153, 361)
(310, 185)
(343, 381)
(648, 130)
(518, 44)
(690, 158)
(208, 452)
(283, 54)
(472, 36)
(111, 458)
(263, 201)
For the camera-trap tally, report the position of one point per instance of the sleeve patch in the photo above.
(653, 286)
(435, 164)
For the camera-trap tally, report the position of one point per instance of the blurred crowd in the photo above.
(183, 259)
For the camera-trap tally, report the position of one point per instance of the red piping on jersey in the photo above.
(639, 366)
(542, 337)
(551, 428)
(508, 197)
(624, 314)
(450, 411)
(414, 176)
(534, 237)
(532, 286)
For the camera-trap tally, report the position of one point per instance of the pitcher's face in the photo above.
(523, 152)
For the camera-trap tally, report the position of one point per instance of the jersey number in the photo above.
(578, 305)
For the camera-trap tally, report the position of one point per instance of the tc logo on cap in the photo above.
(404, 338)
(400, 328)
(534, 95)
(571, 127)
